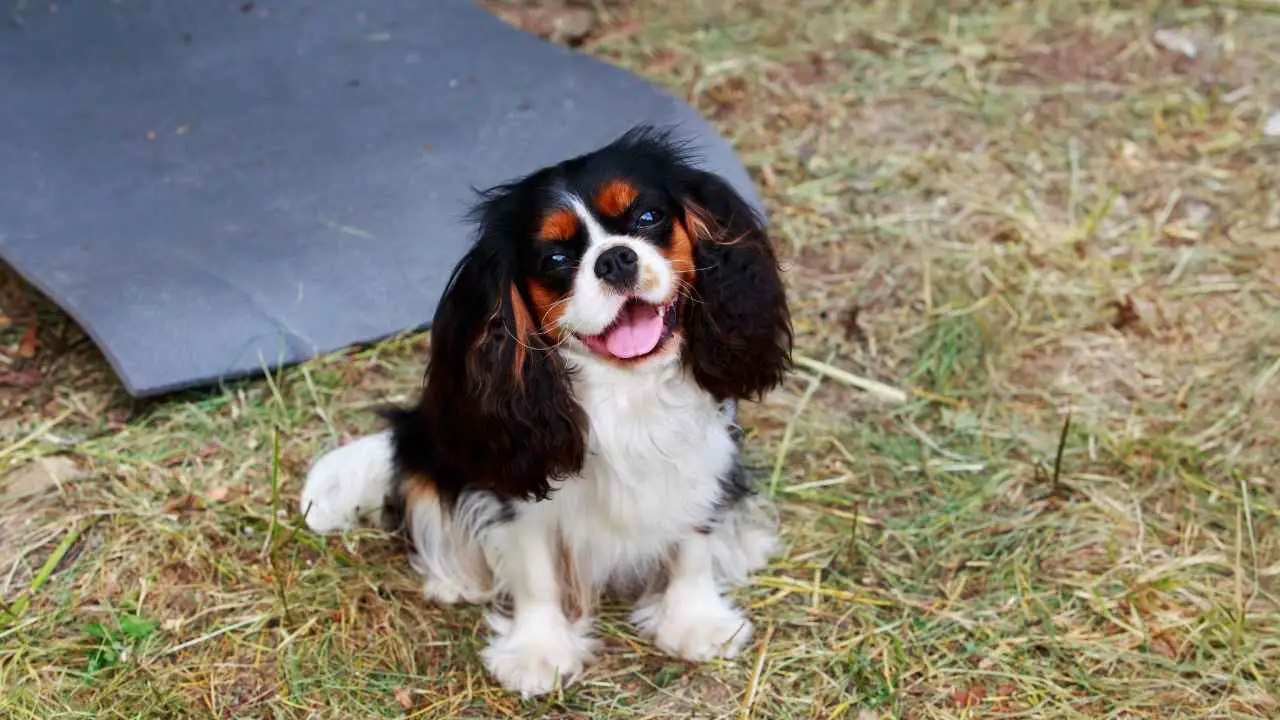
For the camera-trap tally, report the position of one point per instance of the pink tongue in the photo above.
(638, 331)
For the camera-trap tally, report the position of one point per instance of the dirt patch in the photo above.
(1080, 57)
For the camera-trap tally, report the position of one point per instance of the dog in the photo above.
(576, 432)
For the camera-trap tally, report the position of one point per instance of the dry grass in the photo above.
(1021, 212)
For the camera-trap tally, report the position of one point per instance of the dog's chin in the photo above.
(640, 331)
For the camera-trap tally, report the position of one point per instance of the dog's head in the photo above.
(628, 256)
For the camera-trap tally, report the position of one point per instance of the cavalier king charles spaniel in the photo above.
(576, 429)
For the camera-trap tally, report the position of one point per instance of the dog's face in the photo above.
(610, 261)
(628, 256)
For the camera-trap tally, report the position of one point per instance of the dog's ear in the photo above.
(498, 403)
(737, 324)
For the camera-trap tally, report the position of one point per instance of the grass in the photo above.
(1018, 213)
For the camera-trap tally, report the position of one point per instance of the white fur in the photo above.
(691, 619)
(543, 651)
(657, 449)
(448, 548)
(594, 305)
(657, 446)
(347, 487)
(744, 541)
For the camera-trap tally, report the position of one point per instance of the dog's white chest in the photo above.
(657, 448)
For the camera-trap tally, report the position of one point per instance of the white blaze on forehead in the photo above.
(596, 234)
(594, 305)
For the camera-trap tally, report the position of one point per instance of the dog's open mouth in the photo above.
(639, 329)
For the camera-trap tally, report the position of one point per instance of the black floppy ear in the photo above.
(738, 325)
(497, 409)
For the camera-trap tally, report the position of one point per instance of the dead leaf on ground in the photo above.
(27, 345)
(404, 698)
(1127, 315)
(616, 33)
(23, 378)
(183, 504)
(661, 61)
(968, 698)
(853, 331)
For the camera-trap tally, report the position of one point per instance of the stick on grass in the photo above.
(844, 377)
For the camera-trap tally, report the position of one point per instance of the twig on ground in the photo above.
(874, 387)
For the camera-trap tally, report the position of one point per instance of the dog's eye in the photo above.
(648, 218)
(554, 262)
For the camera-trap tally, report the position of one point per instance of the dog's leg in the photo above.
(538, 647)
(690, 618)
(743, 540)
(448, 543)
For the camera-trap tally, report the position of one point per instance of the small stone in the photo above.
(1272, 128)
(1174, 41)
(573, 25)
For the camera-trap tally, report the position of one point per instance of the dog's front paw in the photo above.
(534, 658)
(696, 628)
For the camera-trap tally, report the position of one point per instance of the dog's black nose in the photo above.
(618, 266)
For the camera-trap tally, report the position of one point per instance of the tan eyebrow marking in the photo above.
(559, 224)
(614, 197)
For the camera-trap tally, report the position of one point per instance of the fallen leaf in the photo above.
(1166, 645)
(27, 345)
(969, 698)
(183, 504)
(404, 698)
(662, 61)
(26, 378)
(616, 33)
(1127, 315)
(218, 494)
(853, 331)
(353, 374)
(117, 418)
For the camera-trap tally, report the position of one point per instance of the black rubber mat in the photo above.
(216, 188)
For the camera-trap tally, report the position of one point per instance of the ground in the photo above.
(1059, 237)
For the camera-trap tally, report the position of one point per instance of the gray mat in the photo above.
(214, 188)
